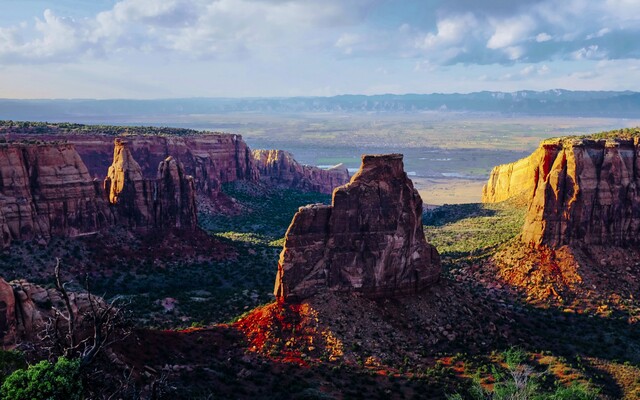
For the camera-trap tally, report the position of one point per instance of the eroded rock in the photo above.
(45, 191)
(370, 240)
(279, 168)
(579, 191)
(165, 202)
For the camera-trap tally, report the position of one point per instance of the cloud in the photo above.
(192, 28)
(438, 32)
(543, 37)
(528, 72)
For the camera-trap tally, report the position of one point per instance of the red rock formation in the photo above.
(175, 201)
(167, 201)
(28, 308)
(211, 158)
(580, 191)
(7, 314)
(46, 190)
(279, 168)
(512, 180)
(370, 240)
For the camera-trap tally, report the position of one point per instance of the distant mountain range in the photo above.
(557, 102)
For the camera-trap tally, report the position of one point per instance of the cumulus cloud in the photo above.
(449, 32)
(198, 28)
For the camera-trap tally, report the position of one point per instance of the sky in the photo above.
(262, 48)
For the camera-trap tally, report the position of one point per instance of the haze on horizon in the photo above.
(262, 48)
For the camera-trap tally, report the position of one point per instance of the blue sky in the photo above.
(239, 48)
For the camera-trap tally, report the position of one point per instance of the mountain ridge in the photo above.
(555, 102)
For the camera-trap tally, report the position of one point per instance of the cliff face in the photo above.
(166, 201)
(515, 179)
(211, 158)
(580, 191)
(46, 190)
(279, 168)
(370, 240)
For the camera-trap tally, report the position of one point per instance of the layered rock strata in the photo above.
(211, 158)
(279, 168)
(370, 240)
(167, 201)
(580, 192)
(512, 180)
(26, 309)
(45, 191)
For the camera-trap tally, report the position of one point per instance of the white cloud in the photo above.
(450, 31)
(598, 34)
(588, 53)
(543, 37)
(511, 31)
(347, 41)
(195, 28)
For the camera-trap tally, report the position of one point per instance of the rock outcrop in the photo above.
(370, 240)
(517, 179)
(46, 190)
(8, 325)
(164, 202)
(26, 309)
(211, 158)
(579, 191)
(279, 168)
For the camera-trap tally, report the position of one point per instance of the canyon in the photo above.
(51, 178)
(47, 191)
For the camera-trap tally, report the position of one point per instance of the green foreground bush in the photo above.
(45, 381)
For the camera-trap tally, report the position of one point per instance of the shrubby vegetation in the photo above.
(464, 230)
(45, 380)
(623, 133)
(66, 128)
(517, 380)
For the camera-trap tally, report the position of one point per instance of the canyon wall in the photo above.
(370, 240)
(211, 158)
(278, 168)
(46, 190)
(514, 180)
(580, 191)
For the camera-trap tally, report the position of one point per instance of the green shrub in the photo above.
(45, 381)
(10, 361)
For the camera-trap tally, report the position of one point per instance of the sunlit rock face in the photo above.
(165, 202)
(279, 168)
(211, 158)
(370, 240)
(579, 191)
